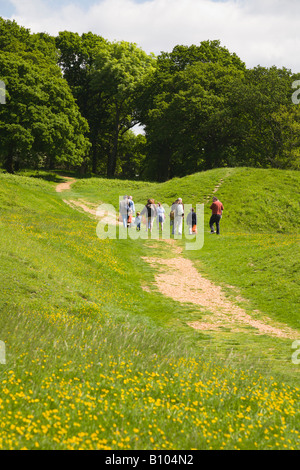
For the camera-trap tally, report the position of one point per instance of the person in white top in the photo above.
(123, 209)
(178, 218)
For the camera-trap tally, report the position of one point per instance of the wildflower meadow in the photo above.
(95, 362)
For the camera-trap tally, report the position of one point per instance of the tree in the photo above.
(207, 52)
(118, 74)
(287, 122)
(203, 109)
(255, 107)
(13, 37)
(77, 56)
(18, 40)
(182, 99)
(73, 100)
(132, 154)
(40, 120)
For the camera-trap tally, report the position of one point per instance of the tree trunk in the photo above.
(82, 169)
(9, 163)
(112, 158)
(94, 158)
(49, 163)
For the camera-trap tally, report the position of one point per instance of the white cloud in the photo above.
(262, 32)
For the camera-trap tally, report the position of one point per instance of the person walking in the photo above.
(160, 216)
(131, 205)
(131, 210)
(191, 220)
(123, 210)
(138, 221)
(217, 212)
(172, 215)
(179, 214)
(150, 213)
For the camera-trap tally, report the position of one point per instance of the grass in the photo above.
(193, 187)
(260, 233)
(94, 362)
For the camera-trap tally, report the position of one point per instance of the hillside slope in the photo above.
(95, 361)
(259, 251)
(255, 200)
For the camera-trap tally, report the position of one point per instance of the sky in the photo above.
(260, 32)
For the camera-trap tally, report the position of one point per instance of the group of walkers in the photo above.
(152, 211)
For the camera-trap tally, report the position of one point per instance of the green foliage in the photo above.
(104, 77)
(77, 55)
(132, 154)
(261, 119)
(120, 70)
(12, 36)
(200, 106)
(203, 109)
(17, 39)
(181, 129)
(40, 122)
(207, 52)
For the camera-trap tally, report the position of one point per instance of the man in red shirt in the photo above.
(217, 211)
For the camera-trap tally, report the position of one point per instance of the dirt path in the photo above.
(178, 279)
(80, 204)
(65, 186)
(217, 187)
(91, 209)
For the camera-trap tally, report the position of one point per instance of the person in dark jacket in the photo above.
(150, 213)
(191, 220)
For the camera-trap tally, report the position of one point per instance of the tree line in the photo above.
(73, 100)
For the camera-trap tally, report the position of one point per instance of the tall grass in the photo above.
(94, 362)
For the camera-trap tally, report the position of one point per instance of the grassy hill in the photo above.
(256, 200)
(259, 249)
(95, 362)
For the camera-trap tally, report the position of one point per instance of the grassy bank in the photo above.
(95, 362)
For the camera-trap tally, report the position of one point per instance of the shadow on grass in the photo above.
(57, 176)
(48, 177)
(53, 176)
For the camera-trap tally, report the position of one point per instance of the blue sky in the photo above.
(265, 32)
(6, 9)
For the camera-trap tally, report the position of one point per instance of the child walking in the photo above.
(138, 221)
(191, 220)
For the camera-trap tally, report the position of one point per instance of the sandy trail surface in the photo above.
(66, 186)
(177, 278)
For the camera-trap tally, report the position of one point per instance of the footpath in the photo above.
(177, 278)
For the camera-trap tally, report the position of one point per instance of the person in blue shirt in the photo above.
(160, 218)
(138, 221)
(131, 205)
